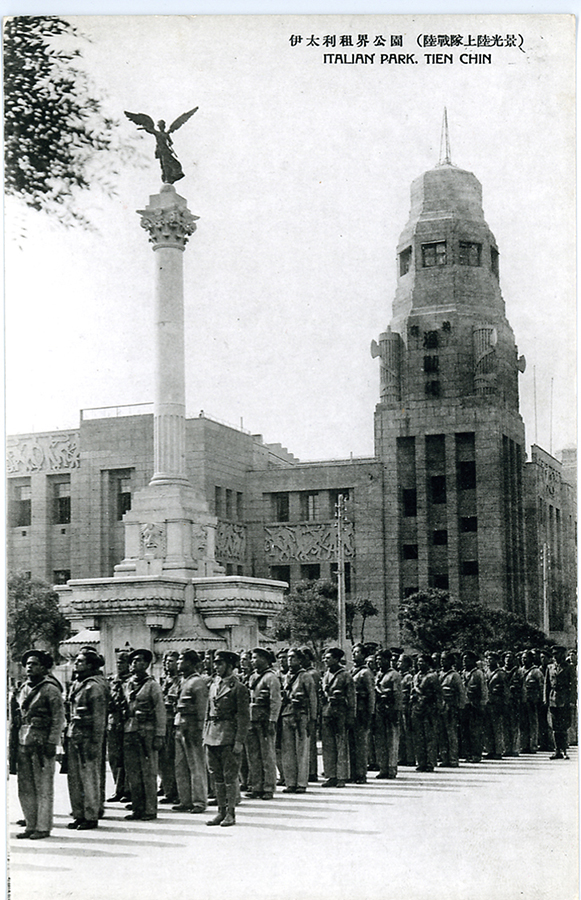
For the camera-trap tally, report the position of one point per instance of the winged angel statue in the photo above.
(171, 169)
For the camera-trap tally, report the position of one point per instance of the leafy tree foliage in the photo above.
(362, 607)
(58, 141)
(34, 617)
(432, 621)
(309, 615)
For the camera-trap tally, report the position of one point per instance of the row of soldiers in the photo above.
(217, 732)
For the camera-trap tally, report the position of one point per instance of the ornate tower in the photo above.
(447, 426)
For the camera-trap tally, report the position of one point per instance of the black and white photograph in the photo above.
(291, 466)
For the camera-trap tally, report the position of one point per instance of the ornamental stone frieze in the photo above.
(43, 453)
(307, 542)
(153, 541)
(230, 541)
(171, 226)
(112, 597)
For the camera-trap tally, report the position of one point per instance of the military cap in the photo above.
(227, 656)
(44, 658)
(191, 656)
(171, 654)
(146, 654)
(284, 652)
(263, 651)
(92, 656)
(335, 652)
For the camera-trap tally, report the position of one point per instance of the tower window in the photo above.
(468, 523)
(431, 363)
(440, 537)
(470, 567)
(439, 581)
(434, 254)
(229, 509)
(405, 261)
(410, 551)
(280, 507)
(469, 253)
(432, 388)
(62, 503)
(409, 502)
(217, 501)
(430, 340)
(466, 475)
(21, 505)
(61, 576)
(311, 572)
(494, 261)
(438, 488)
(123, 497)
(309, 506)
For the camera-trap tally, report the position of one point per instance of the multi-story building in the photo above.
(447, 501)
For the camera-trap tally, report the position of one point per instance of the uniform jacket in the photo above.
(192, 702)
(497, 689)
(532, 685)
(171, 690)
(407, 683)
(145, 712)
(228, 712)
(87, 711)
(42, 713)
(476, 690)
(514, 681)
(117, 705)
(265, 696)
(453, 690)
(364, 693)
(558, 685)
(426, 693)
(339, 697)
(299, 695)
(389, 693)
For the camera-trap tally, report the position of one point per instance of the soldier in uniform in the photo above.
(311, 669)
(532, 699)
(513, 707)
(190, 716)
(281, 671)
(170, 686)
(496, 708)
(41, 713)
(297, 717)
(476, 700)
(558, 698)
(358, 734)
(86, 732)
(115, 725)
(454, 700)
(426, 705)
(407, 756)
(388, 709)
(225, 731)
(144, 734)
(338, 714)
(265, 703)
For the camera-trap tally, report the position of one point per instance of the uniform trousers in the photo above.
(448, 732)
(260, 747)
(472, 732)
(529, 726)
(224, 766)
(115, 756)
(560, 722)
(358, 737)
(167, 760)
(334, 740)
(190, 767)
(141, 762)
(407, 756)
(84, 784)
(387, 735)
(36, 788)
(313, 754)
(295, 750)
(425, 738)
(495, 729)
(512, 728)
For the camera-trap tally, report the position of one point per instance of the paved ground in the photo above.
(501, 830)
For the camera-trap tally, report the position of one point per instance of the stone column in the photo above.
(169, 223)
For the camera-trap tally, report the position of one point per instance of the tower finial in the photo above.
(445, 154)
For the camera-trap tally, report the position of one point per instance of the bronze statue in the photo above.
(171, 169)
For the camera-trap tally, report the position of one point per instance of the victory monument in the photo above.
(169, 592)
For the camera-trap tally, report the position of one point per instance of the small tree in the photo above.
(309, 615)
(362, 607)
(34, 617)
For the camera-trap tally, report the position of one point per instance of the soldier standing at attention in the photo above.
(558, 699)
(170, 686)
(225, 731)
(426, 706)
(407, 756)
(42, 718)
(265, 703)
(476, 699)
(496, 709)
(115, 723)
(298, 716)
(388, 708)
(281, 671)
(454, 700)
(338, 715)
(310, 669)
(86, 731)
(532, 699)
(190, 715)
(513, 707)
(144, 734)
(358, 734)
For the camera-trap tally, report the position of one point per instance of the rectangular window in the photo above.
(229, 510)
(309, 506)
(405, 261)
(239, 506)
(280, 506)
(434, 254)
(466, 475)
(62, 503)
(438, 488)
(494, 261)
(431, 363)
(432, 388)
(334, 570)
(408, 591)
(123, 497)
(468, 523)
(410, 551)
(470, 567)
(229, 569)
(61, 576)
(280, 573)
(439, 581)
(469, 254)
(311, 572)
(21, 505)
(440, 537)
(409, 502)
(218, 501)
(431, 340)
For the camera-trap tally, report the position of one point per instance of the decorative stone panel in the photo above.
(307, 542)
(43, 453)
(230, 541)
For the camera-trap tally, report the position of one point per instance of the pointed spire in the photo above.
(445, 154)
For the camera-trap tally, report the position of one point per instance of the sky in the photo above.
(300, 173)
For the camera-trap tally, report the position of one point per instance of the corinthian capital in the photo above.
(169, 227)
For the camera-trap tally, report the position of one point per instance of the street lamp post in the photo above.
(341, 614)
